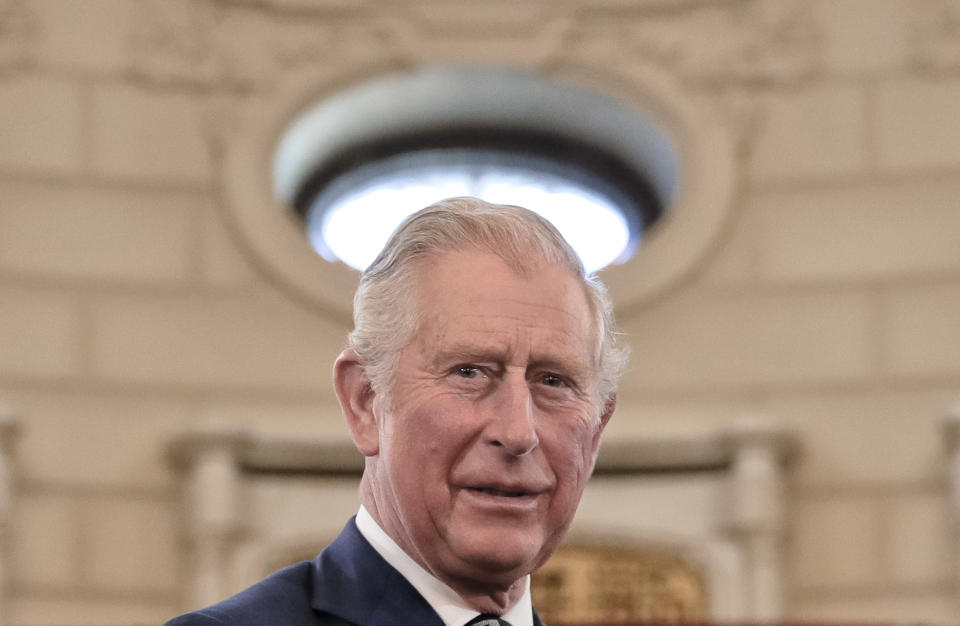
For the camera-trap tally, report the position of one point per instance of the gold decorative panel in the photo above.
(607, 585)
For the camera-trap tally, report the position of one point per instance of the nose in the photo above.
(511, 426)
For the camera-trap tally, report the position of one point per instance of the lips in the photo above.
(527, 484)
(500, 492)
(508, 498)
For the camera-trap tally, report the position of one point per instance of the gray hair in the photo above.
(385, 317)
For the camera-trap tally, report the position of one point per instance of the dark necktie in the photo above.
(487, 620)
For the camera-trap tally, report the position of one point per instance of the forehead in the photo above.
(475, 297)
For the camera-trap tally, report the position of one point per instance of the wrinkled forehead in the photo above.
(483, 291)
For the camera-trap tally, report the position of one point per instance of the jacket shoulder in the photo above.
(281, 598)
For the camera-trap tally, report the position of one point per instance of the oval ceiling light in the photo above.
(355, 165)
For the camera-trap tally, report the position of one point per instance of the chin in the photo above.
(511, 557)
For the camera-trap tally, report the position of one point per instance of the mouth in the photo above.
(499, 493)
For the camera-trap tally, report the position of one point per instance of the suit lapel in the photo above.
(352, 581)
(536, 619)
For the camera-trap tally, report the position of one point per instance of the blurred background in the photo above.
(165, 375)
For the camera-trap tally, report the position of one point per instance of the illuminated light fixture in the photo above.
(596, 204)
(505, 137)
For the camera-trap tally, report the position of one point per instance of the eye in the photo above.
(467, 371)
(552, 380)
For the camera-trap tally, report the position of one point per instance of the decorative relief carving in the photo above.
(608, 585)
(169, 41)
(18, 31)
(241, 47)
(425, 42)
(747, 42)
(936, 35)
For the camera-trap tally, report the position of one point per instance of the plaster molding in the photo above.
(709, 450)
(10, 427)
(935, 36)
(244, 47)
(530, 40)
(170, 41)
(950, 428)
(757, 505)
(19, 32)
(215, 518)
(748, 43)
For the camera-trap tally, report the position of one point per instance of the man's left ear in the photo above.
(605, 416)
(608, 409)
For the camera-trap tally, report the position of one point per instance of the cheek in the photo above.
(429, 437)
(570, 452)
(414, 413)
(576, 432)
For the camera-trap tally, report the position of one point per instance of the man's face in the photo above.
(492, 429)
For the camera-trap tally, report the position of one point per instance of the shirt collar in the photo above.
(448, 604)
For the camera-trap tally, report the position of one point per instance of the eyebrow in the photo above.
(467, 352)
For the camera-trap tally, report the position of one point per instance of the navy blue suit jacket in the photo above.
(348, 583)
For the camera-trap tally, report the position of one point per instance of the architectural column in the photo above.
(214, 515)
(9, 428)
(756, 513)
(951, 433)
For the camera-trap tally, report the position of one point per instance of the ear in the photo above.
(608, 409)
(356, 399)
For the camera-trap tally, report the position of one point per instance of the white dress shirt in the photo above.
(447, 603)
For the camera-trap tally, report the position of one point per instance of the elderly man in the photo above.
(479, 377)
